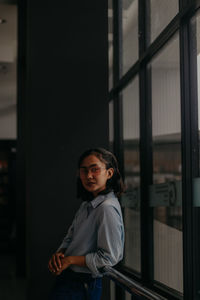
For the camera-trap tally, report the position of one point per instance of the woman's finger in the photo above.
(58, 261)
(54, 263)
(51, 269)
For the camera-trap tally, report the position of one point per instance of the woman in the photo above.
(96, 237)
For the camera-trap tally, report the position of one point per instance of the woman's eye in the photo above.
(94, 170)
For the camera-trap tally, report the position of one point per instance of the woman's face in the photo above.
(94, 175)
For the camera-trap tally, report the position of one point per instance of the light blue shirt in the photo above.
(97, 232)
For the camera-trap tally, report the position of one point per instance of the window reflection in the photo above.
(8, 70)
(131, 200)
(161, 13)
(110, 43)
(198, 62)
(111, 125)
(130, 33)
(166, 189)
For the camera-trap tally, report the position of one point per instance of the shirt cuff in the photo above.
(89, 259)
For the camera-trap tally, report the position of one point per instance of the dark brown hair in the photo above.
(114, 184)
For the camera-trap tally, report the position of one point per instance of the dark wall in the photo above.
(62, 110)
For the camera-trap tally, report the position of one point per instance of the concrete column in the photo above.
(63, 109)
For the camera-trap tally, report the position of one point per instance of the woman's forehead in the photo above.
(91, 160)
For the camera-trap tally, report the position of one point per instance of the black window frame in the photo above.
(189, 128)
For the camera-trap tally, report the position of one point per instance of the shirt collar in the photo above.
(99, 199)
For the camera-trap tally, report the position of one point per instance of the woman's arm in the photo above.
(110, 239)
(70, 260)
(55, 262)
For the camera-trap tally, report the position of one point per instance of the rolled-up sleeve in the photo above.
(110, 240)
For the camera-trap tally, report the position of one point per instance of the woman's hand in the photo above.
(66, 262)
(55, 263)
(59, 262)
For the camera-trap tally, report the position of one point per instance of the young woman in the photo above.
(96, 237)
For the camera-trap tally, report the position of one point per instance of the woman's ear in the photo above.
(110, 172)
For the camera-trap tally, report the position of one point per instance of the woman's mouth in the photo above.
(90, 184)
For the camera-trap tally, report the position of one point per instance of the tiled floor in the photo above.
(11, 288)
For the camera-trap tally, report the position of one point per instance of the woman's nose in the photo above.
(89, 174)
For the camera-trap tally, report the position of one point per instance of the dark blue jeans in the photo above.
(76, 286)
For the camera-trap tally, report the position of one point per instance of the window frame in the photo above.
(189, 128)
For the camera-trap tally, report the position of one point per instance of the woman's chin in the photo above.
(90, 189)
(93, 191)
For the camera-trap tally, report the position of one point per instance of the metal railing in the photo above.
(131, 286)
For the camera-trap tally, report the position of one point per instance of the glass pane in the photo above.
(131, 200)
(166, 189)
(198, 62)
(110, 43)
(130, 33)
(127, 296)
(10, 285)
(111, 125)
(8, 71)
(195, 28)
(161, 13)
(112, 290)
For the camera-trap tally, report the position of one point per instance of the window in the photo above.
(111, 125)
(130, 33)
(166, 141)
(197, 23)
(161, 13)
(110, 43)
(131, 200)
(157, 96)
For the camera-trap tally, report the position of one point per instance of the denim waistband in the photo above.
(69, 274)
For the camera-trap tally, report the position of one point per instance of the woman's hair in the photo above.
(114, 184)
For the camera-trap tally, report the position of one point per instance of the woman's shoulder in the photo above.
(111, 199)
(110, 203)
(109, 211)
